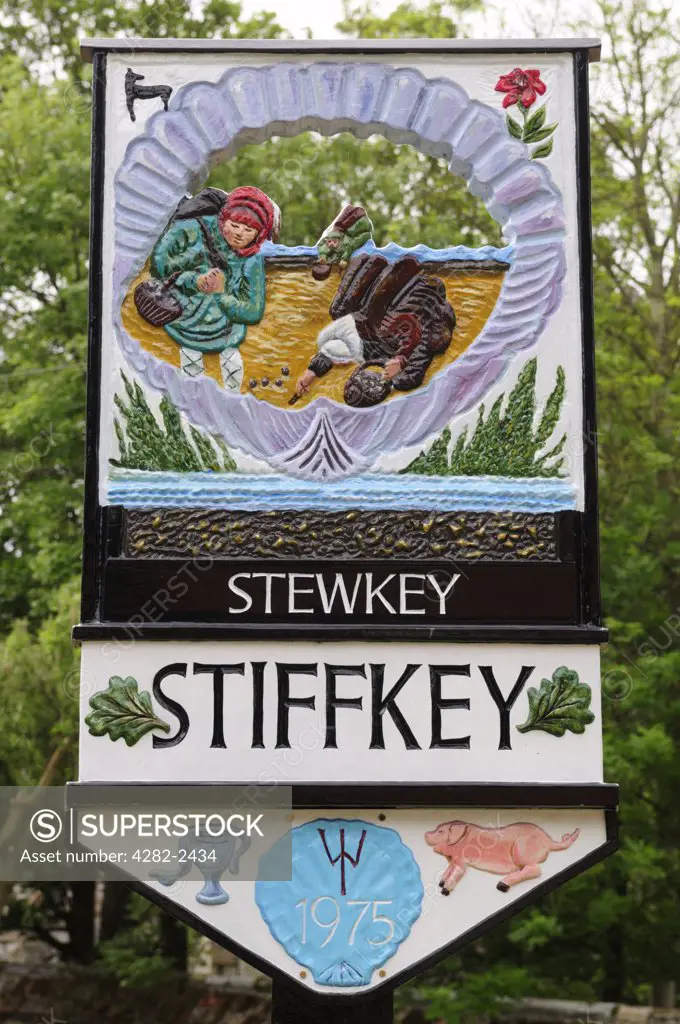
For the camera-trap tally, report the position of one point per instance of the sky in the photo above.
(296, 15)
(499, 19)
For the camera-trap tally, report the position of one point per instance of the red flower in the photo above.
(520, 87)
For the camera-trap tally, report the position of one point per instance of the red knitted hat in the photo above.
(248, 205)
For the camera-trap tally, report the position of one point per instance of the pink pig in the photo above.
(514, 850)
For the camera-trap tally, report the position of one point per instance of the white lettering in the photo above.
(405, 593)
(252, 826)
(179, 826)
(127, 823)
(341, 587)
(88, 822)
(247, 599)
(268, 577)
(144, 823)
(443, 594)
(220, 823)
(165, 826)
(372, 592)
(294, 592)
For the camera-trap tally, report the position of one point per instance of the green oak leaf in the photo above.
(540, 133)
(122, 711)
(514, 128)
(544, 150)
(562, 703)
(535, 122)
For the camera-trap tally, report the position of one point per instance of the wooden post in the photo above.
(664, 995)
(294, 1005)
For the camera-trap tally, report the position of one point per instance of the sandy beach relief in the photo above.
(279, 348)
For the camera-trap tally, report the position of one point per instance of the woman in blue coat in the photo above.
(220, 282)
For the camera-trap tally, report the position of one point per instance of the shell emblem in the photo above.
(353, 898)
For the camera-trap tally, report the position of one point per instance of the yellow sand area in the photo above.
(296, 310)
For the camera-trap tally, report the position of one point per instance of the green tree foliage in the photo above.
(43, 292)
(461, 996)
(636, 209)
(39, 704)
(411, 197)
(435, 18)
(46, 33)
(39, 697)
(138, 954)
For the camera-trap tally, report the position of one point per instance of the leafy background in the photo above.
(611, 934)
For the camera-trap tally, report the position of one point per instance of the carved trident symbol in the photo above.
(343, 855)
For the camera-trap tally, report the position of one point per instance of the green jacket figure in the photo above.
(220, 282)
(351, 229)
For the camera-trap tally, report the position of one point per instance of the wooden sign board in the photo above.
(341, 498)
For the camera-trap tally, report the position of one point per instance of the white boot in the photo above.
(231, 364)
(191, 361)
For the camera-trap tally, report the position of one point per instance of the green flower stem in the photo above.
(523, 111)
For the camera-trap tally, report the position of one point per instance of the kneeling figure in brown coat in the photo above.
(387, 315)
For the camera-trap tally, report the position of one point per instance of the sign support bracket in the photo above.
(294, 1005)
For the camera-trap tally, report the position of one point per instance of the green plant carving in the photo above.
(122, 711)
(145, 443)
(434, 462)
(534, 129)
(562, 703)
(506, 443)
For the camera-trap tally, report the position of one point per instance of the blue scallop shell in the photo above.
(342, 936)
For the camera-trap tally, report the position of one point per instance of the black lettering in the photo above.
(380, 704)
(333, 701)
(437, 673)
(177, 669)
(505, 706)
(286, 702)
(258, 703)
(218, 673)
